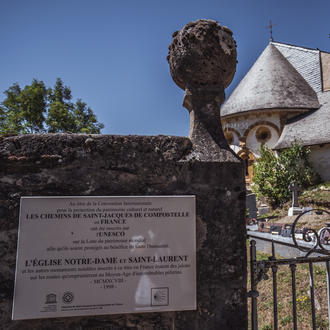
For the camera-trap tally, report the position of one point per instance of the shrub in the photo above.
(274, 173)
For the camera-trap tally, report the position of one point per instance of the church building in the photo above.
(284, 97)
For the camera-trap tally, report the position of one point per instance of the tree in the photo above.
(23, 109)
(273, 174)
(60, 113)
(36, 109)
(85, 119)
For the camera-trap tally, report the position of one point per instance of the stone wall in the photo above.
(108, 165)
(320, 160)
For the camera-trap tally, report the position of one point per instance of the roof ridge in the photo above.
(295, 46)
(301, 116)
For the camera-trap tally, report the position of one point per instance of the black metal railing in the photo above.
(259, 268)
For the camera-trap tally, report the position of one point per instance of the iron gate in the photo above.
(260, 268)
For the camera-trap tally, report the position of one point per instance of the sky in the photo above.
(112, 53)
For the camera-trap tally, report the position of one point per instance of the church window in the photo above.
(263, 134)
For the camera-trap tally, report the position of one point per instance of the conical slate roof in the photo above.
(271, 83)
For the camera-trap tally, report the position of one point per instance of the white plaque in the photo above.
(105, 255)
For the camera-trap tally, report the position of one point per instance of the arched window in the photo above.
(263, 134)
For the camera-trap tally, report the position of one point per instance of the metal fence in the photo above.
(319, 244)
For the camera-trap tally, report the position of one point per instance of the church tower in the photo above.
(285, 83)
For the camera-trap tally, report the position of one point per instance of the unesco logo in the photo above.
(159, 296)
(67, 297)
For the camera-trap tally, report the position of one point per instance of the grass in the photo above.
(318, 195)
(315, 196)
(284, 297)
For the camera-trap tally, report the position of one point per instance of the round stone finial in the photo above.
(202, 55)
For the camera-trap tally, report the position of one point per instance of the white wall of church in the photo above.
(242, 123)
(320, 160)
(238, 125)
(253, 144)
(235, 139)
(247, 125)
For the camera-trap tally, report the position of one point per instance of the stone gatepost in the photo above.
(202, 59)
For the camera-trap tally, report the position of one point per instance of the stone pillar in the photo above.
(202, 59)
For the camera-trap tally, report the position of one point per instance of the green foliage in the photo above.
(286, 320)
(23, 109)
(84, 119)
(36, 109)
(274, 173)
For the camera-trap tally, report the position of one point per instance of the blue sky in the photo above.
(112, 53)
